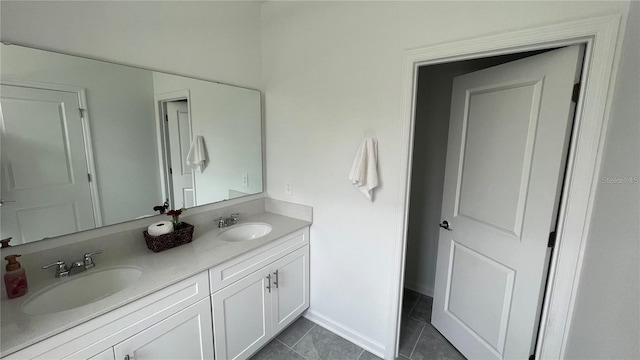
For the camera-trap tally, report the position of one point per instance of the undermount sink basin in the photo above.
(81, 289)
(244, 232)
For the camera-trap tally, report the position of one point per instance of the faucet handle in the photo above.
(89, 254)
(59, 263)
(61, 268)
(88, 260)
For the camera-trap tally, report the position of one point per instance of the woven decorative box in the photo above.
(182, 234)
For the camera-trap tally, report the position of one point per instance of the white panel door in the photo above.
(179, 143)
(186, 335)
(242, 316)
(508, 139)
(291, 282)
(44, 165)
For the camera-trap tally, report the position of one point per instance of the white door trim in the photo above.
(86, 133)
(159, 100)
(602, 37)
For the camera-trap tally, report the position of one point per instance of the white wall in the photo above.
(230, 121)
(332, 75)
(433, 102)
(606, 317)
(214, 40)
(120, 104)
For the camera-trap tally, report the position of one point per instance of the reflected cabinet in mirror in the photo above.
(87, 143)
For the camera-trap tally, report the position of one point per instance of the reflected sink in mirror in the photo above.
(79, 290)
(244, 232)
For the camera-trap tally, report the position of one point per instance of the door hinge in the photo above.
(82, 112)
(166, 117)
(552, 239)
(171, 171)
(89, 177)
(576, 93)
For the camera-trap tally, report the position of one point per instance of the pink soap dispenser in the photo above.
(15, 279)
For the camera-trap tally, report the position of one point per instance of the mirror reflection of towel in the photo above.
(197, 157)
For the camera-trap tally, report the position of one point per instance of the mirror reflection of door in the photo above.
(178, 133)
(45, 177)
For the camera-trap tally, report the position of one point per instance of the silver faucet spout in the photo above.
(79, 265)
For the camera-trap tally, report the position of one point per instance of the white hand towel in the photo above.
(364, 171)
(197, 157)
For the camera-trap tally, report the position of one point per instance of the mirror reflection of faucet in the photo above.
(62, 270)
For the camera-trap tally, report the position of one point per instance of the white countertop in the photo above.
(159, 270)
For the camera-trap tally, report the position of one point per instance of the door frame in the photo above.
(602, 39)
(162, 142)
(86, 134)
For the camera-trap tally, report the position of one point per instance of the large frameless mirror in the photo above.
(88, 143)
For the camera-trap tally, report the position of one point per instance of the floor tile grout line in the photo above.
(304, 357)
(290, 348)
(418, 320)
(416, 344)
(359, 356)
(414, 305)
(282, 342)
(305, 334)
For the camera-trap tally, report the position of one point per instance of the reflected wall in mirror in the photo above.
(87, 143)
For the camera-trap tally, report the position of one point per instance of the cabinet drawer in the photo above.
(234, 270)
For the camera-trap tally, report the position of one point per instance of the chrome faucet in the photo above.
(88, 259)
(62, 270)
(231, 220)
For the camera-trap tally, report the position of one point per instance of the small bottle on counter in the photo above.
(15, 279)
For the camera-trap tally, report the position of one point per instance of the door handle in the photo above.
(2, 201)
(445, 225)
(269, 286)
(276, 280)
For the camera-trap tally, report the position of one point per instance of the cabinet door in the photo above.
(242, 316)
(291, 281)
(185, 335)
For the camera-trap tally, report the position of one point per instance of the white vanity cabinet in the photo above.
(229, 311)
(249, 312)
(185, 335)
(290, 277)
(144, 328)
(242, 317)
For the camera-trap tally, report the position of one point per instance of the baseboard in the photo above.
(355, 337)
(418, 288)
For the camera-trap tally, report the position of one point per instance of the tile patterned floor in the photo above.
(419, 340)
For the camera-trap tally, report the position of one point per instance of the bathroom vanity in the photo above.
(218, 297)
(227, 293)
